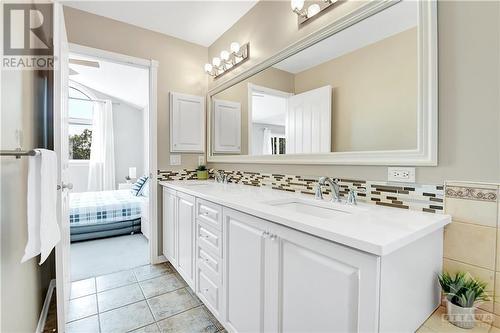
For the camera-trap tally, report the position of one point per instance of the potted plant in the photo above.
(462, 292)
(202, 172)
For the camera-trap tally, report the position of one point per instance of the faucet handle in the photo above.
(351, 197)
(318, 194)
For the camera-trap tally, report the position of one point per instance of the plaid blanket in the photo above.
(89, 208)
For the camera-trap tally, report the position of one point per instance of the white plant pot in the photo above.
(461, 317)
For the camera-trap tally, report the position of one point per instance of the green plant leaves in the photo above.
(462, 289)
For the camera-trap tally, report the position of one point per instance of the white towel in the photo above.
(43, 230)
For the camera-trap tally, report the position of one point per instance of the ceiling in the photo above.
(200, 22)
(123, 82)
(390, 21)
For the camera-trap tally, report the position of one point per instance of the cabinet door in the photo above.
(187, 123)
(320, 286)
(244, 262)
(169, 226)
(186, 237)
(227, 126)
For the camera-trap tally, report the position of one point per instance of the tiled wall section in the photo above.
(428, 198)
(471, 240)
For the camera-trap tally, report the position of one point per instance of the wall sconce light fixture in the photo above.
(312, 10)
(228, 59)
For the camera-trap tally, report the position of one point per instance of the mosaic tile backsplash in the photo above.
(427, 198)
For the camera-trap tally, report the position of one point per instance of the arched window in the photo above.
(80, 109)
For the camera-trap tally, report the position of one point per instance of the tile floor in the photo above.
(150, 298)
(437, 323)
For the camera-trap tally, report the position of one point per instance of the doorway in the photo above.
(108, 112)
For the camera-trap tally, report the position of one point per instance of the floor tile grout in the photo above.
(211, 319)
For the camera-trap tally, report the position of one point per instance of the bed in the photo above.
(104, 214)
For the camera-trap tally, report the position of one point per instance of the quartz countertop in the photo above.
(366, 227)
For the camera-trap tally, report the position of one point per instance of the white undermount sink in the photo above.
(320, 209)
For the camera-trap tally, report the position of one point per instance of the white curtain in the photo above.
(102, 150)
(266, 142)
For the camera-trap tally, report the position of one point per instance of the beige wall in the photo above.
(468, 34)
(180, 64)
(374, 96)
(271, 78)
(22, 286)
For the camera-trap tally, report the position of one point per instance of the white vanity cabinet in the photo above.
(256, 275)
(281, 280)
(178, 233)
(170, 225)
(185, 236)
(244, 255)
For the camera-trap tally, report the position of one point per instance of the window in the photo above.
(80, 108)
(278, 145)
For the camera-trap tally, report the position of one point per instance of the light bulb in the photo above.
(235, 47)
(313, 10)
(216, 61)
(297, 5)
(208, 68)
(224, 55)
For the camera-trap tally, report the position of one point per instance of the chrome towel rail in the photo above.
(18, 152)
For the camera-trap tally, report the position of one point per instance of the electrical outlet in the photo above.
(401, 174)
(201, 160)
(175, 159)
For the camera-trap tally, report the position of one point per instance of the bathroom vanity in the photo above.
(263, 260)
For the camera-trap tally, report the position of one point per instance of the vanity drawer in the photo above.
(209, 212)
(209, 264)
(209, 292)
(209, 238)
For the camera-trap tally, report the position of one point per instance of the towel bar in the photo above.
(18, 153)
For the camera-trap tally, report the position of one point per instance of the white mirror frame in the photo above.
(426, 153)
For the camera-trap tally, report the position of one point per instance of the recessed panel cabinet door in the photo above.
(187, 123)
(244, 274)
(169, 226)
(322, 286)
(227, 126)
(186, 237)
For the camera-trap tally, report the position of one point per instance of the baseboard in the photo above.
(46, 306)
(160, 259)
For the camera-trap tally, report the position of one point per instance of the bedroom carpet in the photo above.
(108, 255)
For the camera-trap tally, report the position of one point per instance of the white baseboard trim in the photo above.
(46, 306)
(160, 259)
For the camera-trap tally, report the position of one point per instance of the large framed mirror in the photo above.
(361, 91)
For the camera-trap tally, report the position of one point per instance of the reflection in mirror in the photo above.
(354, 91)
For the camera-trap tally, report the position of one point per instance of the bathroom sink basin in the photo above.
(319, 209)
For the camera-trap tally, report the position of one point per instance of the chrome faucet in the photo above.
(221, 177)
(334, 188)
(351, 197)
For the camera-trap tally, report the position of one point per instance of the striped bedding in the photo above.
(91, 208)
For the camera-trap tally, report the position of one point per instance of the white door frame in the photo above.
(152, 66)
(264, 90)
